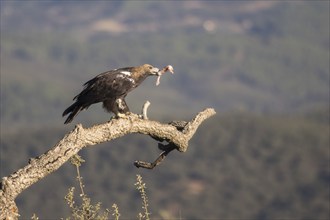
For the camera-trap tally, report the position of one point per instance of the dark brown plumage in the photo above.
(111, 88)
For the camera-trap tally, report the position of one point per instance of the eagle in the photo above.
(111, 88)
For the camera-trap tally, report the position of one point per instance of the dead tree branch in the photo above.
(177, 134)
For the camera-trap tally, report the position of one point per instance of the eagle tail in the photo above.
(74, 109)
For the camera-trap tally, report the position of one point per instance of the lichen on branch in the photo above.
(177, 135)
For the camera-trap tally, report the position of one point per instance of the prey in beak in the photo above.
(162, 71)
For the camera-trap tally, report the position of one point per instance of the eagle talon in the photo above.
(122, 115)
(141, 116)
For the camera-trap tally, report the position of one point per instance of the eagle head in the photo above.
(149, 69)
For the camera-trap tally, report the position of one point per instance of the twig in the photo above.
(159, 159)
(145, 109)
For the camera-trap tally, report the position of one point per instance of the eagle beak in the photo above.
(155, 71)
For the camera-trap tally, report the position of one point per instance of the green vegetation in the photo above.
(266, 167)
(286, 75)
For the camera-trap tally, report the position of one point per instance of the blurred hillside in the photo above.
(254, 56)
(263, 65)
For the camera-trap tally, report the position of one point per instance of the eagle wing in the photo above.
(110, 84)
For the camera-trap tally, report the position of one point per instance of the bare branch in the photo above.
(80, 137)
(159, 159)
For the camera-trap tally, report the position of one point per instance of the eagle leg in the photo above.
(121, 105)
(121, 108)
(117, 106)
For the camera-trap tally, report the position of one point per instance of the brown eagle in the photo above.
(111, 88)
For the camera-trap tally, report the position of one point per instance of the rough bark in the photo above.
(176, 134)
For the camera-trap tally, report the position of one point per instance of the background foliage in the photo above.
(264, 66)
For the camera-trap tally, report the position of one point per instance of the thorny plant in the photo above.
(88, 211)
(141, 186)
